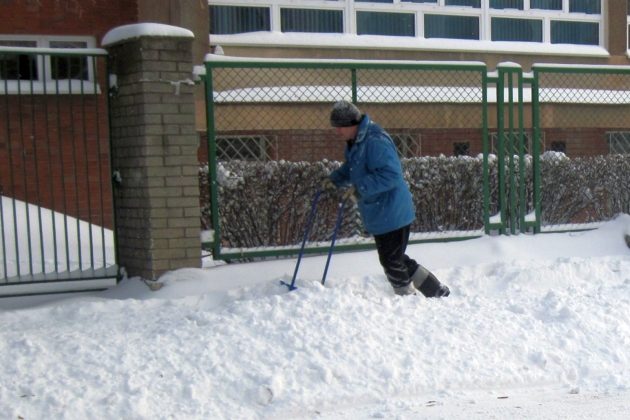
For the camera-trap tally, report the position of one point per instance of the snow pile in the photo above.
(535, 325)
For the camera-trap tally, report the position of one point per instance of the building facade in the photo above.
(491, 31)
(54, 108)
(525, 32)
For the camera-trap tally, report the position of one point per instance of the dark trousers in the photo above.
(391, 247)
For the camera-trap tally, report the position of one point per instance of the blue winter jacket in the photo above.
(372, 166)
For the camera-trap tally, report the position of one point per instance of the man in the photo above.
(373, 173)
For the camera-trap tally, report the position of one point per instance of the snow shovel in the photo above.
(334, 236)
(307, 231)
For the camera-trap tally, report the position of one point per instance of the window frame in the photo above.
(45, 82)
(483, 13)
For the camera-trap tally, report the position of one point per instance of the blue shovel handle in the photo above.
(334, 237)
(307, 231)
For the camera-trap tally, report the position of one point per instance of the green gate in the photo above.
(516, 146)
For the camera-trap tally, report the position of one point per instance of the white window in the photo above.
(543, 22)
(52, 65)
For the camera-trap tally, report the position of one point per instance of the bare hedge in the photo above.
(267, 204)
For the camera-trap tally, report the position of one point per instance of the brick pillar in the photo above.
(154, 149)
(615, 13)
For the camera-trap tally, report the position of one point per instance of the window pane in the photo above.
(461, 149)
(69, 67)
(525, 30)
(585, 6)
(455, 27)
(227, 20)
(506, 4)
(583, 33)
(393, 24)
(547, 4)
(472, 3)
(18, 66)
(311, 20)
(423, 1)
(559, 146)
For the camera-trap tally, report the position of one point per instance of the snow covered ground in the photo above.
(536, 327)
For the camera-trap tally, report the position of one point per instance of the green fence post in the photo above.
(501, 148)
(536, 149)
(485, 149)
(212, 163)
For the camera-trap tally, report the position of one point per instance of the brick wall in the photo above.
(66, 17)
(314, 145)
(54, 152)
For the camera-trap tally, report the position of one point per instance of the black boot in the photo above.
(428, 285)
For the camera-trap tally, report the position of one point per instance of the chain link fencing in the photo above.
(584, 116)
(271, 144)
(482, 152)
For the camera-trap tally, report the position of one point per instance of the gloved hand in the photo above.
(328, 185)
(350, 194)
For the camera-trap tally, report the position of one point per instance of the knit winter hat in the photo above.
(344, 114)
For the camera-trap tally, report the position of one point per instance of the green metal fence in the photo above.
(581, 113)
(56, 209)
(483, 152)
(263, 110)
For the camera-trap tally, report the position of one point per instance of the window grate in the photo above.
(250, 148)
(408, 145)
(618, 142)
(494, 144)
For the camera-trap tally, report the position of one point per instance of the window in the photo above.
(506, 4)
(68, 67)
(526, 30)
(471, 3)
(237, 19)
(618, 142)
(581, 33)
(251, 148)
(546, 4)
(16, 66)
(393, 24)
(585, 6)
(456, 27)
(461, 149)
(559, 146)
(546, 22)
(312, 20)
(27, 66)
